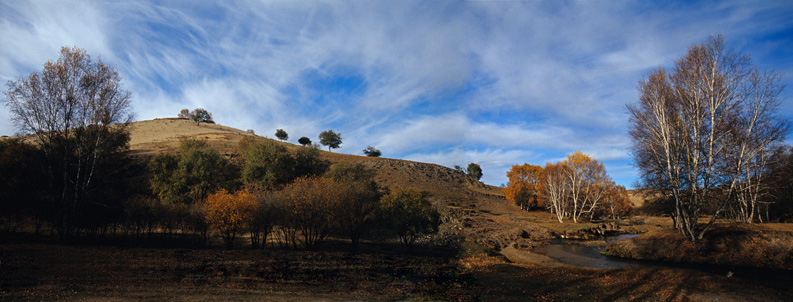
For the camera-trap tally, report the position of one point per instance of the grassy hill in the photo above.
(480, 211)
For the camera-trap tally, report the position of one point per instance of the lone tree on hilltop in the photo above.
(305, 141)
(330, 138)
(281, 134)
(78, 112)
(198, 115)
(474, 171)
(697, 130)
(372, 152)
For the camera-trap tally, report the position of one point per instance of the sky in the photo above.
(496, 83)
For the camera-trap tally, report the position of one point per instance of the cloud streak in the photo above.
(449, 82)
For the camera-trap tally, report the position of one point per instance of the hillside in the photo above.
(479, 210)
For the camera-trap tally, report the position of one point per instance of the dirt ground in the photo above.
(39, 271)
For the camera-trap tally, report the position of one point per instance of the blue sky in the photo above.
(497, 83)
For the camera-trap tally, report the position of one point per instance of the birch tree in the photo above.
(78, 112)
(555, 189)
(587, 183)
(695, 130)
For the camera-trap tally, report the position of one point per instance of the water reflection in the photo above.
(572, 252)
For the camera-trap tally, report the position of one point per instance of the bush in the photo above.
(358, 204)
(191, 174)
(408, 214)
(309, 204)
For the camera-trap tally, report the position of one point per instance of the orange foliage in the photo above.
(230, 213)
(615, 201)
(523, 185)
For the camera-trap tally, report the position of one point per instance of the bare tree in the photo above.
(78, 111)
(695, 130)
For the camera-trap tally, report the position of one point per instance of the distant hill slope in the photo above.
(155, 136)
(151, 137)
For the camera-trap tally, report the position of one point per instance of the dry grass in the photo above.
(767, 245)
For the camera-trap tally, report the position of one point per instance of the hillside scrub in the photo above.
(767, 246)
(408, 213)
(190, 175)
(270, 165)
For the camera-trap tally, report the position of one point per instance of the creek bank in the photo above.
(600, 231)
(729, 244)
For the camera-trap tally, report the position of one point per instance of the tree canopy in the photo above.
(405, 211)
(372, 152)
(190, 175)
(523, 187)
(281, 134)
(330, 138)
(474, 170)
(69, 108)
(701, 131)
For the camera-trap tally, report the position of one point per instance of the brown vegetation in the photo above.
(749, 245)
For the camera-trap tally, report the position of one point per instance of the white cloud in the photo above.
(433, 73)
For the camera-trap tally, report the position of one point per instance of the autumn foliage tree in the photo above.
(587, 183)
(555, 189)
(230, 213)
(524, 186)
(615, 202)
(570, 188)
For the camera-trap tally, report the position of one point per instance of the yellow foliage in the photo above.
(229, 213)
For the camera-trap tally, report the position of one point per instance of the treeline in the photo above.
(289, 199)
(574, 188)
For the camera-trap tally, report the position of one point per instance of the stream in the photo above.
(573, 252)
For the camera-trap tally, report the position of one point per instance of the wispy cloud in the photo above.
(498, 83)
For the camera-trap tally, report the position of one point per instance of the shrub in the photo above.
(408, 214)
(309, 204)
